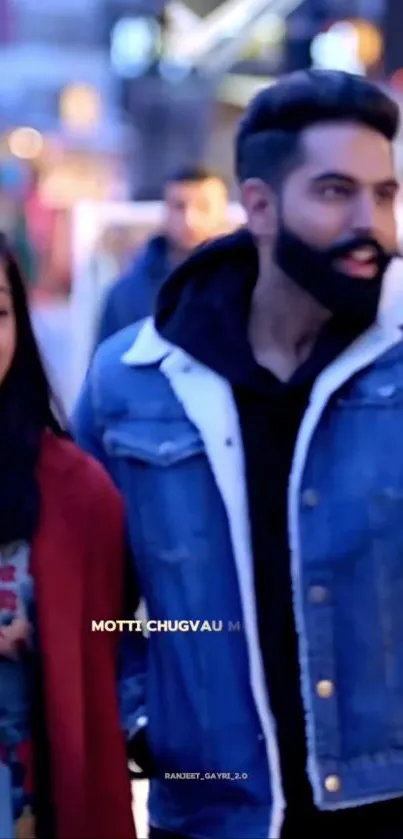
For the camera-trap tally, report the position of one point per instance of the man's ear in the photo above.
(259, 203)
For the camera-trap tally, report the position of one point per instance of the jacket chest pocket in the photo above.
(163, 472)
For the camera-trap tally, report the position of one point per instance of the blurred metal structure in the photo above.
(171, 102)
(163, 108)
(172, 125)
(218, 40)
(204, 7)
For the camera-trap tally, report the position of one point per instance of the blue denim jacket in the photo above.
(167, 429)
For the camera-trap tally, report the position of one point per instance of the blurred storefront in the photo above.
(36, 206)
(44, 173)
(100, 100)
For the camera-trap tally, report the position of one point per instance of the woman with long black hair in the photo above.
(63, 772)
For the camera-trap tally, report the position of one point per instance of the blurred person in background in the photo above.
(254, 427)
(63, 769)
(196, 210)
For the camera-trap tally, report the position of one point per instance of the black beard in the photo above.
(351, 300)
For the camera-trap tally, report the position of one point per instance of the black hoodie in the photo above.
(195, 307)
(204, 308)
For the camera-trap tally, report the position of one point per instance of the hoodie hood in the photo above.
(203, 307)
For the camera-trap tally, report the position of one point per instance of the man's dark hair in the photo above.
(193, 175)
(268, 139)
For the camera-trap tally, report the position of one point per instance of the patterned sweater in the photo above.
(17, 816)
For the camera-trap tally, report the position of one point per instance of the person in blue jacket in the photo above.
(254, 427)
(196, 210)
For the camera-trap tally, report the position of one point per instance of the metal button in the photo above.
(318, 594)
(332, 783)
(142, 721)
(386, 391)
(166, 448)
(310, 498)
(325, 689)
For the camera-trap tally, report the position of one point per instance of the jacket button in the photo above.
(186, 368)
(310, 498)
(332, 783)
(325, 689)
(166, 448)
(386, 391)
(318, 594)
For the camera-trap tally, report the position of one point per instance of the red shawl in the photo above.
(77, 564)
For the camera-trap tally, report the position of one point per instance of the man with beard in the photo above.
(255, 430)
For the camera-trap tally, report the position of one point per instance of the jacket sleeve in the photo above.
(133, 645)
(131, 683)
(84, 425)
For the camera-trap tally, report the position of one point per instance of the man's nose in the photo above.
(190, 217)
(365, 212)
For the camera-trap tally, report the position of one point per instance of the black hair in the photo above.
(194, 174)
(27, 410)
(268, 138)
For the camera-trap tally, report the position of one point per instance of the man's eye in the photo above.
(335, 191)
(386, 195)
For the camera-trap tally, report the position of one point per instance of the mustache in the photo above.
(344, 248)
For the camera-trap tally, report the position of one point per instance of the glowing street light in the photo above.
(80, 106)
(25, 143)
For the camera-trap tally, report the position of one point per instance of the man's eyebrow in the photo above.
(392, 183)
(341, 177)
(334, 176)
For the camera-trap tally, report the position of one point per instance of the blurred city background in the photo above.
(101, 99)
